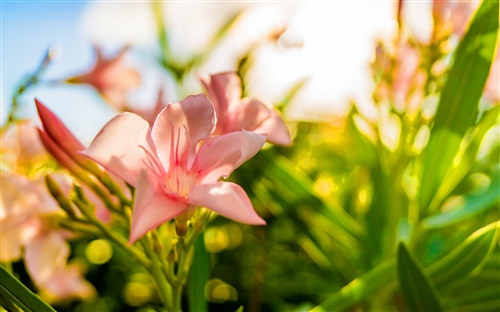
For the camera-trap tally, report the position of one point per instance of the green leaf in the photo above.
(466, 259)
(296, 185)
(15, 292)
(198, 277)
(469, 207)
(487, 294)
(360, 288)
(456, 173)
(418, 290)
(458, 104)
(336, 237)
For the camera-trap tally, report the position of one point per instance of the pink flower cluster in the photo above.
(175, 165)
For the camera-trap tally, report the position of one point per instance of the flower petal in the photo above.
(69, 283)
(227, 199)
(276, 129)
(121, 146)
(180, 126)
(151, 207)
(10, 242)
(255, 116)
(45, 256)
(219, 156)
(62, 158)
(248, 115)
(227, 87)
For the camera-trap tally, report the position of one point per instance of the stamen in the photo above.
(153, 165)
(172, 140)
(177, 146)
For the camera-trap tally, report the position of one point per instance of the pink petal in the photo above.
(64, 139)
(10, 241)
(276, 129)
(121, 146)
(45, 255)
(152, 208)
(206, 81)
(180, 126)
(227, 199)
(227, 87)
(62, 158)
(69, 283)
(255, 116)
(248, 115)
(219, 156)
(57, 130)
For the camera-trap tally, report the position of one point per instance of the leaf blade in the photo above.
(458, 104)
(417, 288)
(14, 291)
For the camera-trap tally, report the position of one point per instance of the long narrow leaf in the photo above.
(471, 206)
(456, 174)
(198, 277)
(458, 105)
(467, 258)
(360, 288)
(419, 291)
(14, 291)
(300, 185)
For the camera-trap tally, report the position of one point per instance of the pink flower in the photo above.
(68, 284)
(175, 165)
(235, 113)
(111, 77)
(25, 213)
(21, 205)
(21, 148)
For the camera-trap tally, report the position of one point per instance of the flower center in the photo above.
(179, 182)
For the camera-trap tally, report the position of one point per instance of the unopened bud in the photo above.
(58, 195)
(181, 228)
(173, 255)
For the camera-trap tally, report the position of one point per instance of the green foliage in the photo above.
(198, 277)
(13, 292)
(353, 223)
(419, 292)
(458, 104)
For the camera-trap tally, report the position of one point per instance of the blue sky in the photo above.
(29, 28)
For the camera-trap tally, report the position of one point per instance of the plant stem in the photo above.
(156, 271)
(112, 236)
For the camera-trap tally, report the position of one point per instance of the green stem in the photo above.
(114, 189)
(167, 268)
(112, 236)
(156, 271)
(79, 226)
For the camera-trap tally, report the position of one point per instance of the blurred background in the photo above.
(358, 84)
(328, 44)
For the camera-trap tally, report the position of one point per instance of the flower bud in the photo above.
(62, 138)
(58, 195)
